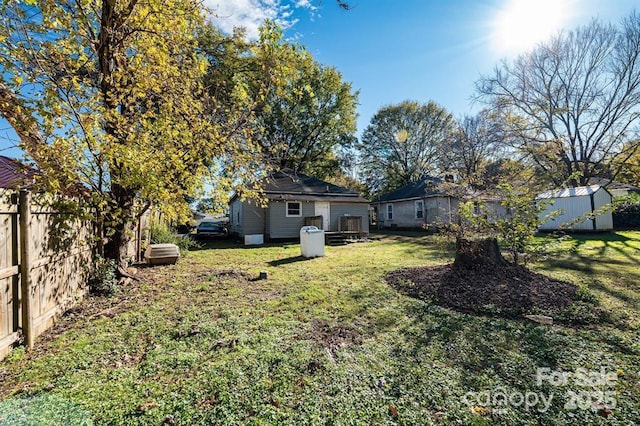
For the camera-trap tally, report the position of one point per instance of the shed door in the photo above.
(323, 209)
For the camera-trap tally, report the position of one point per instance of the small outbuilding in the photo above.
(583, 208)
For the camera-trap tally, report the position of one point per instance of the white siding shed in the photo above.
(575, 206)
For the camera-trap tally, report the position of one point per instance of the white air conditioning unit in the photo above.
(162, 254)
(253, 239)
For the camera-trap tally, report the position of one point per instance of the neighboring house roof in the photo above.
(578, 191)
(430, 186)
(418, 189)
(14, 174)
(293, 186)
(613, 185)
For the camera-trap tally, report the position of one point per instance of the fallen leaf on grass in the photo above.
(479, 410)
(208, 402)
(602, 409)
(148, 405)
(393, 411)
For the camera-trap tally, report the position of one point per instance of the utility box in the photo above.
(253, 239)
(162, 254)
(311, 241)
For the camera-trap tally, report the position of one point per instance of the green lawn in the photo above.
(327, 341)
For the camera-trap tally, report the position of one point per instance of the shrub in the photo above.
(161, 233)
(626, 212)
(515, 228)
(103, 280)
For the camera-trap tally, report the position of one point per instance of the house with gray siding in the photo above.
(293, 200)
(425, 202)
(415, 205)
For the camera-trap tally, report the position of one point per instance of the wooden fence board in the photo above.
(9, 284)
(35, 293)
(45, 261)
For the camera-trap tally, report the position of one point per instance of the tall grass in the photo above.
(162, 233)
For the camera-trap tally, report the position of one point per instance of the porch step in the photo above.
(336, 240)
(339, 238)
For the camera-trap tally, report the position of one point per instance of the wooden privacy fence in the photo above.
(45, 259)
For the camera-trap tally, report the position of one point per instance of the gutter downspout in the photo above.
(264, 224)
(593, 208)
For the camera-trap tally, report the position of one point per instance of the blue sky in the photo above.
(392, 50)
(433, 50)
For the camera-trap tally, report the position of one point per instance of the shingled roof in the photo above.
(578, 191)
(14, 174)
(612, 185)
(428, 185)
(290, 185)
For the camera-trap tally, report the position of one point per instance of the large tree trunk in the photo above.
(116, 248)
(120, 223)
(474, 253)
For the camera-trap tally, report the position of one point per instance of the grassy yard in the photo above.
(328, 341)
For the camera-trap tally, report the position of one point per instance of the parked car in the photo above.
(210, 229)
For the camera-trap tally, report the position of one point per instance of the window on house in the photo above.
(294, 209)
(389, 211)
(419, 209)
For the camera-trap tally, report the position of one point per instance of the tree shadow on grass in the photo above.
(622, 245)
(632, 302)
(216, 244)
(480, 345)
(629, 275)
(420, 238)
(288, 260)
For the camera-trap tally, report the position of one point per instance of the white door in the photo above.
(323, 209)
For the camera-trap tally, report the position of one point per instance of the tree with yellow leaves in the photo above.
(107, 95)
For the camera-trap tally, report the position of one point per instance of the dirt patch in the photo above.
(128, 296)
(508, 291)
(334, 337)
(219, 274)
(253, 288)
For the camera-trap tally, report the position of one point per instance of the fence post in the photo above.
(24, 210)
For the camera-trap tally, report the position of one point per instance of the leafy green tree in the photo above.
(298, 111)
(630, 167)
(107, 96)
(571, 103)
(308, 111)
(403, 143)
(626, 211)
